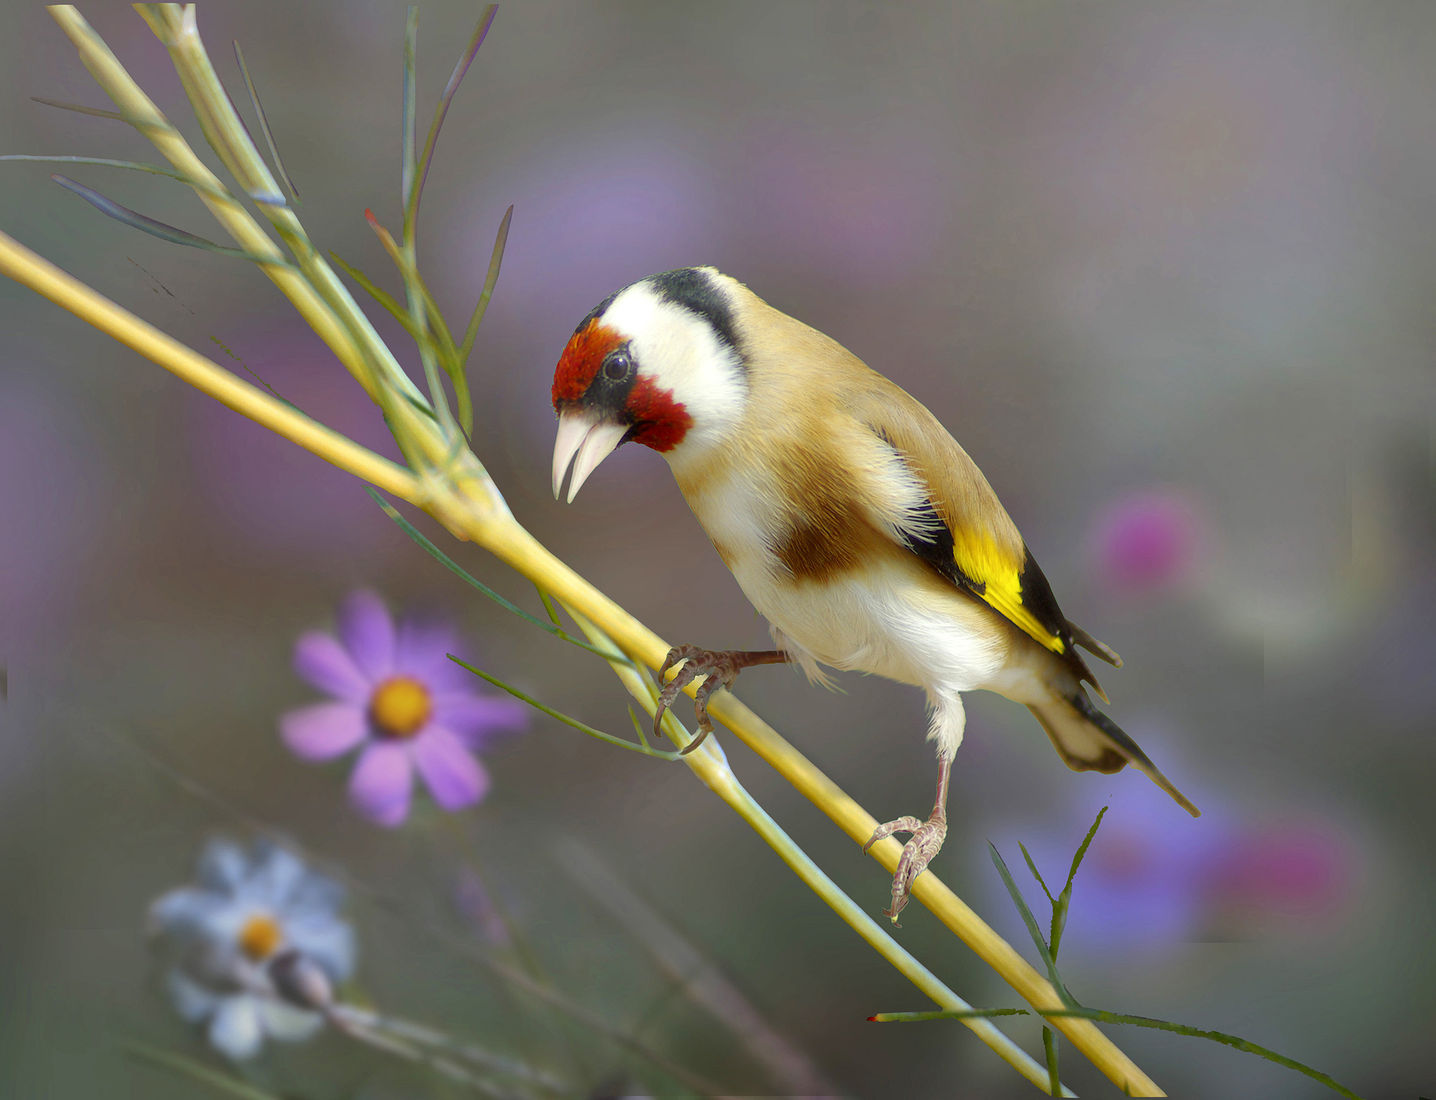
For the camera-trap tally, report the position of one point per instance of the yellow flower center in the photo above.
(260, 937)
(400, 706)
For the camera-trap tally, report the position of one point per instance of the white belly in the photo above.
(885, 622)
(892, 619)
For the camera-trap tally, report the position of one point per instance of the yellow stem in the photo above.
(43, 277)
(711, 766)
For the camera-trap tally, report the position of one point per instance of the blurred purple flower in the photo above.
(261, 492)
(398, 695)
(1154, 878)
(1148, 540)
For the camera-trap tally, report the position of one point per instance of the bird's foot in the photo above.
(719, 669)
(925, 842)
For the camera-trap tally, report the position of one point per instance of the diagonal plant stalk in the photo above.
(447, 480)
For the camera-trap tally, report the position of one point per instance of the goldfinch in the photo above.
(852, 520)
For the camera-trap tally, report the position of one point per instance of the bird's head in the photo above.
(658, 363)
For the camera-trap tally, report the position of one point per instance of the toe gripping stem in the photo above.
(719, 668)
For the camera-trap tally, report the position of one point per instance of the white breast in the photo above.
(890, 619)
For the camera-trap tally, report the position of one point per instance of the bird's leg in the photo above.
(719, 669)
(926, 840)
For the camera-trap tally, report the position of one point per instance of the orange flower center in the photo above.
(260, 936)
(400, 706)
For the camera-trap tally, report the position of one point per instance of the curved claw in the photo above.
(901, 825)
(917, 853)
(719, 668)
(675, 686)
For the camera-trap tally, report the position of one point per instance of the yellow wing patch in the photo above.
(1000, 585)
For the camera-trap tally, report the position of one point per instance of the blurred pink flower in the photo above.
(1295, 868)
(1148, 540)
(399, 696)
(1154, 878)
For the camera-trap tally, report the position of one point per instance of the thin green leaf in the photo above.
(407, 189)
(459, 571)
(637, 725)
(103, 162)
(198, 1071)
(422, 303)
(1049, 1050)
(79, 109)
(1031, 866)
(284, 180)
(496, 258)
(564, 718)
(548, 605)
(1102, 1016)
(133, 165)
(461, 68)
(1031, 923)
(163, 231)
(444, 350)
(383, 297)
(1064, 899)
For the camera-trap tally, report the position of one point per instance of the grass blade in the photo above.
(165, 232)
(501, 240)
(1031, 923)
(264, 130)
(1064, 899)
(461, 68)
(383, 297)
(1032, 866)
(469, 579)
(548, 606)
(582, 727)
(79, 109)
(407, 188)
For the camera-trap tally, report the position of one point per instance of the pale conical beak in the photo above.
(582, 443)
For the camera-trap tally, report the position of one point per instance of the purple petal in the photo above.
(368, 634)
(323, 662)
(422, 645)
(381, 783)
(324, 730)
(454, 777)
(477, 718)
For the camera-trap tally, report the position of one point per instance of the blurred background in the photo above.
(1165, 271)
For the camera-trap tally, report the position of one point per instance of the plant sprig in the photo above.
(1073, 1009)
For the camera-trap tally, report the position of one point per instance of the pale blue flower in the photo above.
(221, 934)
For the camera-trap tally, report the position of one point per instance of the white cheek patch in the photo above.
(681, 353)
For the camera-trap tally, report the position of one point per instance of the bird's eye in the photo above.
(617, 366)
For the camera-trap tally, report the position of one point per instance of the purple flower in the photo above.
(398, 695)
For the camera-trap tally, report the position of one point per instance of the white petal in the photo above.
(188, 914)
(223, 866)
(235, 1030)
(329, 943)
(277, 871)
(288, 1023)
(192, 1001)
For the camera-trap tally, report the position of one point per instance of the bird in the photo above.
(849, 516)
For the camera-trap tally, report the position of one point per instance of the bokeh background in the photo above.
(1165, 270)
